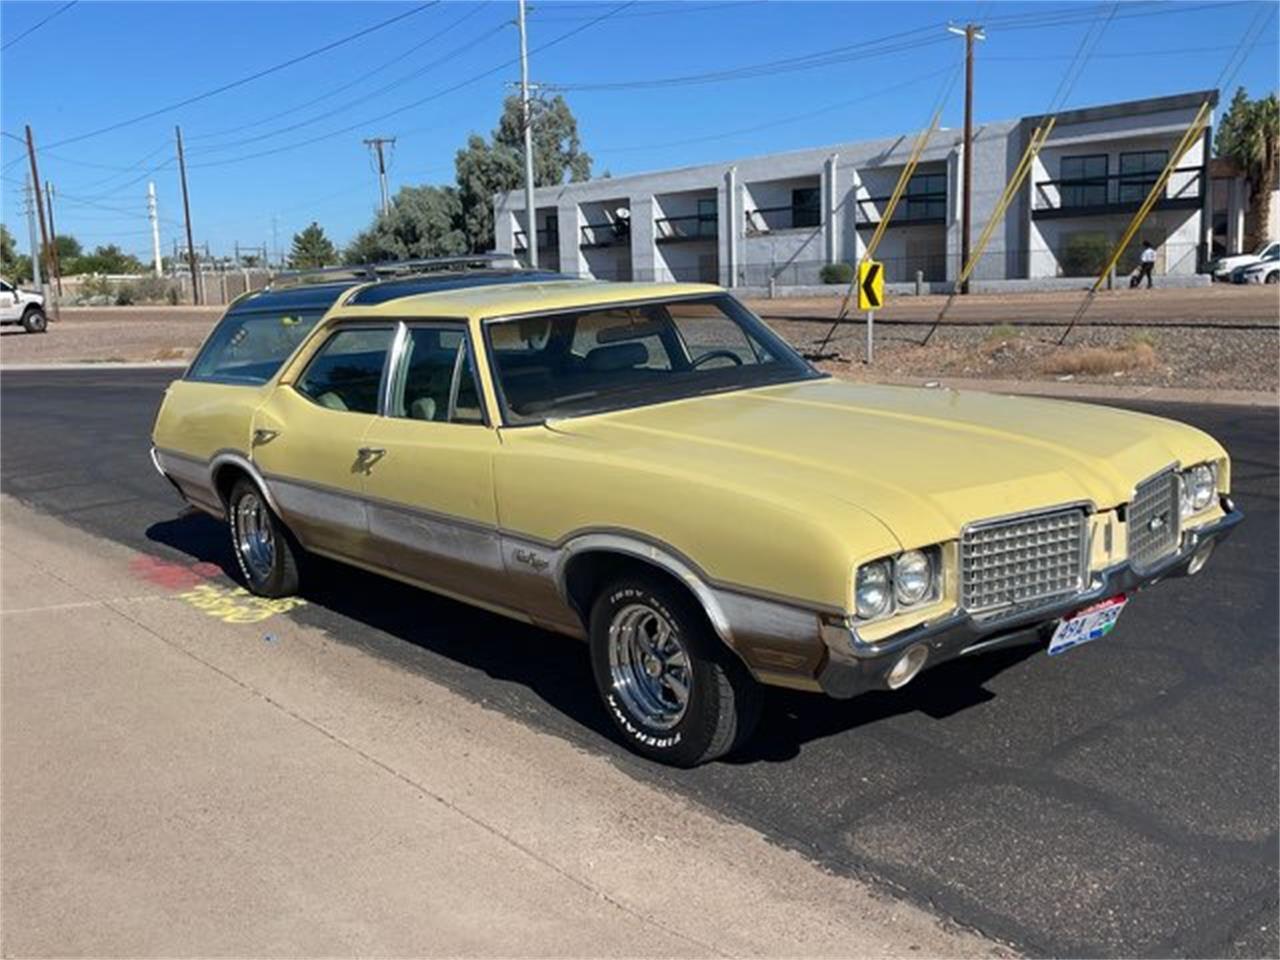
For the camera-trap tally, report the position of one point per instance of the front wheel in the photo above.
(675, 693)
(264, 549)
(34, 321)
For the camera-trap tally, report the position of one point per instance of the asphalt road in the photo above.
(1119, 800)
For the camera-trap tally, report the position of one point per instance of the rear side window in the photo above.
(249, 347)
(437, 379)
(346, 373)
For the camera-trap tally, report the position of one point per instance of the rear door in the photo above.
(309, 439)
(429, 491)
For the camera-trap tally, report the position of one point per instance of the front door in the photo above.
(309, 440)
(8, 303)
(429, 493)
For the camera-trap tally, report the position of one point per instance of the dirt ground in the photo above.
(1218, 337)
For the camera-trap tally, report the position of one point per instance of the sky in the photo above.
(102, 85)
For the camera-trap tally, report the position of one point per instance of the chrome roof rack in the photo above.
(394, 269)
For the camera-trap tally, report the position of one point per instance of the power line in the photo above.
(833, 55)
(32, 29)
(678, 8)
(329, 94)
(346, 108)
(367, 121)
(792, 118)
(293, 61)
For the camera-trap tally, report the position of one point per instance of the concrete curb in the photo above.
(102, 365)
(1068, 390)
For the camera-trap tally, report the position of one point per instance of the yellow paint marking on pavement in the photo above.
(236, 604)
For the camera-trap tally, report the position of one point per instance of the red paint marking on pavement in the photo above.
(172, 576)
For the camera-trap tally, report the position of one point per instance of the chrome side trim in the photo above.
(235, 458)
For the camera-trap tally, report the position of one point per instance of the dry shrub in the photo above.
(1096, 361)
(170, 353)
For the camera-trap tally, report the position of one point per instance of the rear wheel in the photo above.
(34, 320)
(265, 550)
(675, 693)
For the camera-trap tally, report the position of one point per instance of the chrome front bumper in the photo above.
(854, 665)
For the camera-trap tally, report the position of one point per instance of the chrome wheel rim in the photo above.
(255, 541)
(649, 666)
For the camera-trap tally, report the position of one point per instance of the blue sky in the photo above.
(286, 148)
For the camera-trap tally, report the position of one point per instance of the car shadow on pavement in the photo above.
(447, 640)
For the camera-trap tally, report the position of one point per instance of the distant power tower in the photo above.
(378, 145)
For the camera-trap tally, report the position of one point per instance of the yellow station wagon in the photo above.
(649, 467)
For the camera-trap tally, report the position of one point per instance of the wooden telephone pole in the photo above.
(186, 213)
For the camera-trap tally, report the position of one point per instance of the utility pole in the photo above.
(376, 144)
(53, 232)
(154, 217)
(530, 211)
(35, 191)
(186, 214)
(970, 32)
(37, 277)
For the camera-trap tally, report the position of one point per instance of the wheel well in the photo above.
(32, 308)
(588, 572)
(225, 477)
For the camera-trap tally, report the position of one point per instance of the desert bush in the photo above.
(1096, 361)
(1084, 255)
(836, 273)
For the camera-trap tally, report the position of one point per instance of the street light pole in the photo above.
(970, 32)
(530, 211)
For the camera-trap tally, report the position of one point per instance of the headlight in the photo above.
(873, 592)
(1198, 487)
(912, 577)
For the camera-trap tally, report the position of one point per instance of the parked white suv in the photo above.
(1222, 267)
(22, 306)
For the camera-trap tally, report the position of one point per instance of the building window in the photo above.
(707, 217)
(806, 207)
(926, 197)
(1139, 172)
(1082, 181)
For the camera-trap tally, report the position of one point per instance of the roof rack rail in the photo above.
(393, 269)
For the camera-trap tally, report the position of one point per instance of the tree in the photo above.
(104, 259)
(311, 248)
(495, 166)
(1249, 136)
(423, 222)
(8, 249)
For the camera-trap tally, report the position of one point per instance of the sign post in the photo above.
(870, 297)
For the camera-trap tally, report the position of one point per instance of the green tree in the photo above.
(104, 259)
(1249, 136)
(311, 248)
(8, 249)
(485, 168)
(423, 222)
(68, 248)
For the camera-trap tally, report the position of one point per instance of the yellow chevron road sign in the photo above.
(870, 285)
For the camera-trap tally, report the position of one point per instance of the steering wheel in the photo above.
(721, 354)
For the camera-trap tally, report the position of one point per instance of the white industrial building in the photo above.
(779, 218)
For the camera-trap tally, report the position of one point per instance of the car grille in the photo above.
(1018, 562)
(1153, 520)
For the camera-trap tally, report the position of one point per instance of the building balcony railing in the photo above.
(611, 233)
(1115, 193)
(698, 226)
(914, 209)
(547, 240)
(791, 217)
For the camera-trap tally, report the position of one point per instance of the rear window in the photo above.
(248, 347)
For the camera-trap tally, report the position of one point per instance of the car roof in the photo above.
(510, 299)
(399, 288)
(317, 296)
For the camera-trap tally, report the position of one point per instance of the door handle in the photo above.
(261, 436)
(366, 457)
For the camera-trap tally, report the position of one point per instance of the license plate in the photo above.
(1088, 624)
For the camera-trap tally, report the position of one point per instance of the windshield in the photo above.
(248, 346)
(612, 357)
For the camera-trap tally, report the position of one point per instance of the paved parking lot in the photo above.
(1120, 800)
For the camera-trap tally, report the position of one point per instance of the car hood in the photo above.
(925, 462)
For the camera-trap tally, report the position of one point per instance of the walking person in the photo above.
(1147, 264)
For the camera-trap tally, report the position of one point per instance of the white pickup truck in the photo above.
(22, 306)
